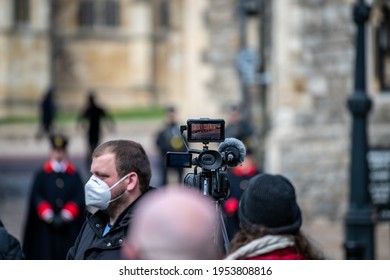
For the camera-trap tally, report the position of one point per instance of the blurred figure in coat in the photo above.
(169, 139)
(47, 114)
(239, 128)
(91, 119)
(56, 206)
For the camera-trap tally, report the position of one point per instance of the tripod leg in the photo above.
(226, 242)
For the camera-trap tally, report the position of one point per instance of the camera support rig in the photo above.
(212, 180)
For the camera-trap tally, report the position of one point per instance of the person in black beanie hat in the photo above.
(270, 221)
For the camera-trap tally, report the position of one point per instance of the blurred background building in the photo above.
(290, 63)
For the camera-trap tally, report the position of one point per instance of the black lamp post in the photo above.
(359, 221)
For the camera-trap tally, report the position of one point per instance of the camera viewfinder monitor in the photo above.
(206, 130)
(179, 159)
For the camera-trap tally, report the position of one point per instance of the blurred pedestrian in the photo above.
(56, 206)
(47, 114)
(10, 248)
(270, 221)
(238, 127)
(91, 119)
(174, 222)
(169, 139)
(238, 178)
(121, 175)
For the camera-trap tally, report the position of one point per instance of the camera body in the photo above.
(212, 178)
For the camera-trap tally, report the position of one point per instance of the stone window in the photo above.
(21, 11)
(111, 13)
(382, 45)
(99, 13)
(86, 13)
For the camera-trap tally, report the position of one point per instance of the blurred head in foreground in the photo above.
(173, 222)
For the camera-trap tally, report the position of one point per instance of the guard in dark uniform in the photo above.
(56, 206)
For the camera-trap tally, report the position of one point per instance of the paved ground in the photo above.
(21, 153)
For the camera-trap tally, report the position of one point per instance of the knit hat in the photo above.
(270, 201)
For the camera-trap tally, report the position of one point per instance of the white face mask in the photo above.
(98, 193)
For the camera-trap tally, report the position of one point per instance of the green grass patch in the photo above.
(65, 117)
(140, 113)
(18, 119)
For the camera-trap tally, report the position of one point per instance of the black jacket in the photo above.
(10, 248)
(92, 245)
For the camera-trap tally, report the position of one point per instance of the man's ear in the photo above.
(132, 181)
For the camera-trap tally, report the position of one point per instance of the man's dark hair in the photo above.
(130, 156)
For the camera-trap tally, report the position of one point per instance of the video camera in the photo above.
(212, 180)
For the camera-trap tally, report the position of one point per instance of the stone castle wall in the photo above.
(312, 78)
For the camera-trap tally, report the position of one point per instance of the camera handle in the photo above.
(182, 129)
